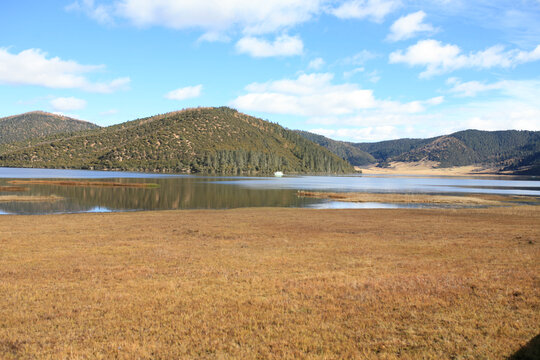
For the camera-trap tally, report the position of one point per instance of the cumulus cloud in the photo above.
(409, 26)
(375, 10)
(188, 92)
(515, 107)
(222, 16)
(68, 104)
(438, 58)
(224, 20)
(33, 67)
(316, 97)
(283, 45)
(347, 112)
(308, 95)
(250, 17)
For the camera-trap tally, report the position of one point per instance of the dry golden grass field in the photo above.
(271, 283)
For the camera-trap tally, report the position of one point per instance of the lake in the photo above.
(226, 192)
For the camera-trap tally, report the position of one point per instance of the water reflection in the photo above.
(393, 184)
(171, 193)
(196, 192)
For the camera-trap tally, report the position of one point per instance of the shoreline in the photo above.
(262, 282)
(395, 169)
(429, 168)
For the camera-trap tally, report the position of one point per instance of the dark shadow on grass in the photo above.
(530, 351)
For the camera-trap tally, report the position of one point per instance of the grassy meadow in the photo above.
(271, 283)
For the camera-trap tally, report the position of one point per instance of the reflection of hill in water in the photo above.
(172, 193)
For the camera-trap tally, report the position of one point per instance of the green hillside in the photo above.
(37, 124)
(345, 150)
(203, 140)
(384, 151)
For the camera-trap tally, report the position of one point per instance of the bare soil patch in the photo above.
(427, 168)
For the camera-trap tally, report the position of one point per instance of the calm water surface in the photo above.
(206, 192)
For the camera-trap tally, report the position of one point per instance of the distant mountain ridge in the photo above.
(505, 151)
(36, 124)
(201, 140)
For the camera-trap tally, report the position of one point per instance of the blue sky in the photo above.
(356, 70)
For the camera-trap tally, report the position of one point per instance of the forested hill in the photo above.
(345, 150)
(202, 140)
(36, 124)
(509, 150)
(384, 151)
(505, 150)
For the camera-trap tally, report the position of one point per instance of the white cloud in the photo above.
(250, 17)
(345, 111)
(100, 13)
(225, 16)
(283, 45)
(375, 10)
(68, 104)
(515, 107)
(500, 114)
(370, 133)
(316, 64)
(32, 67)
(526, 91)
(471, 88)
(409, 26)
(308, 95)
(184, 93)
(316, 97)
(438, 58)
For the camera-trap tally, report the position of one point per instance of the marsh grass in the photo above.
(270, 283)
(31, 198)
(13, 189)
(411, 198)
